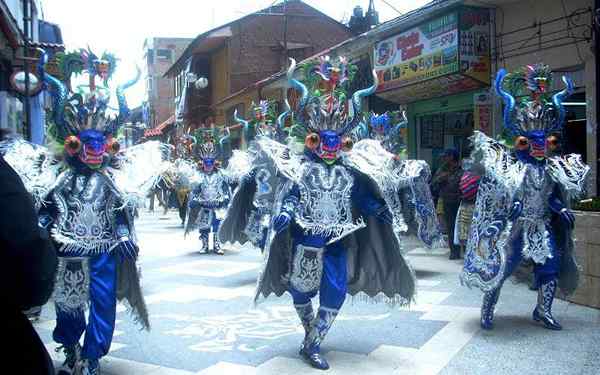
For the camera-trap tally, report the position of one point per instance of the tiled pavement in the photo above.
(203, 322)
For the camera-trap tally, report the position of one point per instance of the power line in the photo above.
(391, 6)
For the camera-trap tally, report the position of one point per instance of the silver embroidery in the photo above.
(213, 188)
(325, 200)
(536, 191)
(307, 268)
(86, 207)
(205, 218)
(72, 287)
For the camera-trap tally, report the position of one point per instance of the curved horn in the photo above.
(281, 118)
(245, 123)
(509, 102)
(60, 96)
(357, 102)
(557, 100)
(225, 137)
(297, 84)
(123, 108)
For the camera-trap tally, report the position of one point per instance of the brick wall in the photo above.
(256, 47)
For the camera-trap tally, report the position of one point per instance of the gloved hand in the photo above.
(516, 210)
(567, 217)
(281, 222)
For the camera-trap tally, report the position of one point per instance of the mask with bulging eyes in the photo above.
(91, 147)
(536, 145)
(327, 145)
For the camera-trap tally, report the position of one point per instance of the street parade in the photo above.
(288, 193)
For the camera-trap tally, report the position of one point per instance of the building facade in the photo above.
(12, 37)
(159, 54)
(235, 56)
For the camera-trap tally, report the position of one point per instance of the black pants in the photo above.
(450, 211)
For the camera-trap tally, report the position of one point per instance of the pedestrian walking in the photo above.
(446, 183)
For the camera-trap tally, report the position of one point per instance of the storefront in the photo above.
(439, 71)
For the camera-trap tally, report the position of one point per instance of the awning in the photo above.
(157, 131)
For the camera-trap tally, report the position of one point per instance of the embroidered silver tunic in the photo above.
(86, 205)
(534, 193)
(325, 205)
(212, 189)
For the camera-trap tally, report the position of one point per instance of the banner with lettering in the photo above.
(427, 51)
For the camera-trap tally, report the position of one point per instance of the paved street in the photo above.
(203, 322)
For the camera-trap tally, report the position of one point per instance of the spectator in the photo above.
(468, 188)
(445, 183)
(28, 276)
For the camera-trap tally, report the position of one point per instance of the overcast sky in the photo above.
(120, 26)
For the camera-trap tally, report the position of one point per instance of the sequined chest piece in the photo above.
(86, 207)
(325, 199)
(537, 188)
(213, 188)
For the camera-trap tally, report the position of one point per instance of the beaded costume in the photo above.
(522, 207)
(257, 178)
(328, 209)
(406, 182)
(86, 198)
(209, 197)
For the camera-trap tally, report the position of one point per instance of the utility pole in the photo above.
(26, 26)
(285, 47)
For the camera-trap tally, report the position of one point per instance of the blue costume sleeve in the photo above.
(288, 207)
(368, 203)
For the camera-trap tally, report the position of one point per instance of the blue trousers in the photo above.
(334, 284)
(545, 272)
(214, 224)
(102, 311)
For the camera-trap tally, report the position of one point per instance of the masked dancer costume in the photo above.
(257, 178)
(331, 232)
(406, 184)
(522, 207)
(209, 196)
(86, 197)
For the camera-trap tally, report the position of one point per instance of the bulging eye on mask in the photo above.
(327, 145)
(537, 145)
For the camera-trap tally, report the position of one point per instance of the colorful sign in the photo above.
(442, 86)
(418, 54)
(482, 112)
(475, 43)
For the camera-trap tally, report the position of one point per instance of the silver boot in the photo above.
(490, 299)
(543, 310)
(319, 329)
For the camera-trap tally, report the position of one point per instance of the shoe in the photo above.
(89, 367)
(316, 360)
(219, 251)
(72, 354)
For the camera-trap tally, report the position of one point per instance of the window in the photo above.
(164, 54)
(150, 56)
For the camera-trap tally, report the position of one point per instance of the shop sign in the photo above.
(475, 43)
(421, 53)
(447, 85)
(482, 112)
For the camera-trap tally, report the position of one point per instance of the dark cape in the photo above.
(377, 270)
